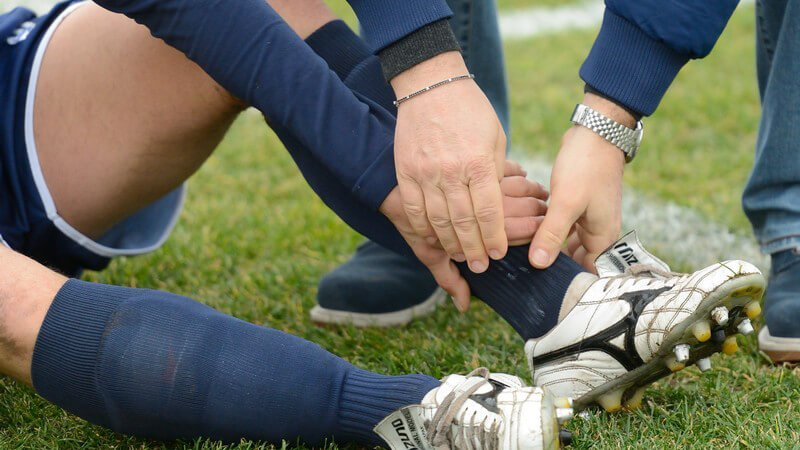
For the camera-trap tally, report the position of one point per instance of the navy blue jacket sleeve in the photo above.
(249, 50)
(387, 21)
(643, 44)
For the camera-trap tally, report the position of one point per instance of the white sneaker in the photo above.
(480, 411)
(639, 322)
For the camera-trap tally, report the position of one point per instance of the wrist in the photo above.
(609, 109)
(428, 72)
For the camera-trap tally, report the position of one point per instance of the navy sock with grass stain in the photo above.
(159, 365)
(528, 298)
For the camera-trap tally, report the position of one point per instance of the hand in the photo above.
(586, 200)
(449, 152)
(525, 206)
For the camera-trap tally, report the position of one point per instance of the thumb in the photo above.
(550, 236)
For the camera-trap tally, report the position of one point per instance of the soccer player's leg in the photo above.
(159, 365)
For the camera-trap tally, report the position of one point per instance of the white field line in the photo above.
(676, 233)
(530, 22)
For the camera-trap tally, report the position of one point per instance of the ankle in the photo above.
(580, 284)
(367, 398)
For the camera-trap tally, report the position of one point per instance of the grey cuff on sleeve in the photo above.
(419, 46)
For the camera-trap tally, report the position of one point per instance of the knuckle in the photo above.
(450, 169)
(440, 222)
(414, 210)
(487, 214)
(539, 207)
(549, 236)
(464, 224)
(480, 169)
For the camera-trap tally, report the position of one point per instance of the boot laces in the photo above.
(642, 275)
(439, 429)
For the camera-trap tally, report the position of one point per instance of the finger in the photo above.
(582, 257)
(554, 231)
(594, 246)
(466, 226)
(523, 207)
(520, 230)
(573, 242)
(513, 169)
(449, 278)
(522, 187)
(487, 201)
(439, 218)
(414, 207)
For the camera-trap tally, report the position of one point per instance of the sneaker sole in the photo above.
(325, 316)
(779, 350)
(627, 391)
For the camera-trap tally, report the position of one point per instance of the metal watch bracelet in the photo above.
(626, 139)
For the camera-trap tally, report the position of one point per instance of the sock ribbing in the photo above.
(65, 354)
(367, 398)
(527, 298)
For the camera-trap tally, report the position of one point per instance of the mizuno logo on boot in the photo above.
(626, 253)
(400, 428)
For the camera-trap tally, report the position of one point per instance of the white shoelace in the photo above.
(439, 427)
(648, 274)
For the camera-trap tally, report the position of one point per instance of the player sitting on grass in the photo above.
(102, 125)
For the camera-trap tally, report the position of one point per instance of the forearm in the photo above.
(253, 53)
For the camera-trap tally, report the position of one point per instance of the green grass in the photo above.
(253, 241)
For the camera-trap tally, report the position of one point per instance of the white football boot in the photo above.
(480, 411)
(638, 322)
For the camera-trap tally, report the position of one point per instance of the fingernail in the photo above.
(495, 254)
(459, 257)
(431, 240)
(540, 257)
(477, 266)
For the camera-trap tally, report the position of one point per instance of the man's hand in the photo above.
(586, 199)
(524, 205)
(449, 152)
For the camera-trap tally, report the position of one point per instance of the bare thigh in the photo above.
(120, 118)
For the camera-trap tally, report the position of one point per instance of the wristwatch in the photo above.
(626, 139)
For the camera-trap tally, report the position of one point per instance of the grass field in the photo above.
(253, 241)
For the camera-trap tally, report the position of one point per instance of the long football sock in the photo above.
(159, 365)
(529, 299)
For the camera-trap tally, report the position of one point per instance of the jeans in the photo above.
(474, 24)
(771, 199)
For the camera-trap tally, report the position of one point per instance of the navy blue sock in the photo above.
(528, 298)
(159, 365)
